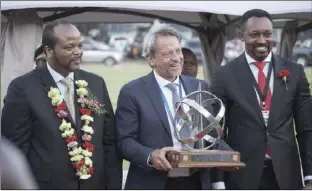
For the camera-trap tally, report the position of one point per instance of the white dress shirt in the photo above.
(176, 144)
(58, 77)
(255, 72)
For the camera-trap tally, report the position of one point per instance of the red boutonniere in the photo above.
(284, 75)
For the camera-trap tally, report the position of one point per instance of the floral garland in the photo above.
(79, 156)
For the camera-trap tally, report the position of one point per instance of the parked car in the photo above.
(302, 54)
(98, 52)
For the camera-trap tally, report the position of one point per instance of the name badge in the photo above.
(265, 114)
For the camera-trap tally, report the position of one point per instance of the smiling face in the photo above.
(167, 60)
(66, 55)
(258, 38)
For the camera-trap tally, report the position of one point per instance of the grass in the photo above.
(116, 77)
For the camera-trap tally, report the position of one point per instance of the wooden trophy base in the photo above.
(209, 158)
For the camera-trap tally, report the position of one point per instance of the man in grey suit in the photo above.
(144, 118)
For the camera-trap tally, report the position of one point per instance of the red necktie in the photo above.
(261, 83)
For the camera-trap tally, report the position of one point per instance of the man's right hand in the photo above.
(159, 160)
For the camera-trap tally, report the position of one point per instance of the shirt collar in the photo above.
(58, 77)
(163, 82)
(251, 60)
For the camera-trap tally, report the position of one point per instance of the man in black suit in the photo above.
(62, 119)
(264, 95)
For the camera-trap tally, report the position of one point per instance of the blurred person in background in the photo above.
(268, 109)
(15, 171)
(190, 66)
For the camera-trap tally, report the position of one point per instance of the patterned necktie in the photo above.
(184, 131)
(68, 83)
(261, 83)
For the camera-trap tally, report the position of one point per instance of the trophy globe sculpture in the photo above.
(199, 121)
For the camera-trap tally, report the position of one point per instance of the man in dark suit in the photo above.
(69, 145)
(264, 94)
(144, 118)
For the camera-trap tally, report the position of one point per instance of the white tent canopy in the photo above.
(185, 11)
(23, 21)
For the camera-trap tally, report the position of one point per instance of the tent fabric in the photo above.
(217, 7)
(184, 11)
(21, 38)
(213, 52)
(213, 46)
(288, 39)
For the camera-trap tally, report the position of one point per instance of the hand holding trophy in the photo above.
(197, 128)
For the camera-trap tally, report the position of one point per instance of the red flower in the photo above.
(70, 139)
(60, 107)
(283, 73)
(79, 164)
(89, 146)
(85, 111)
(90, 171)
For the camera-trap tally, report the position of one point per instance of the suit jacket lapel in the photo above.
(188, 88)
(246, 79)
(47, 82)
(154, 93)
(278, 88)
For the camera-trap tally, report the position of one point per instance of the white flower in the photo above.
(75, 151)
(53, 92)
(87, 129)
(76, 158)
(87, 118)
(82, 92)
(64, 126)
(57, 100)
(72, 144)
(81, 83)
(88, 161)
(84, 177)
(68, 132)
(86, 153)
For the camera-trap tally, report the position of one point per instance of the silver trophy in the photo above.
(197, 127)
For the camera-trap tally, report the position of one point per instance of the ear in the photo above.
(151, 61)
(48, 51)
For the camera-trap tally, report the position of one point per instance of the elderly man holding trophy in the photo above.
(166, 122)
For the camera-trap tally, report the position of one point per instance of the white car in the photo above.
(98, 52)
